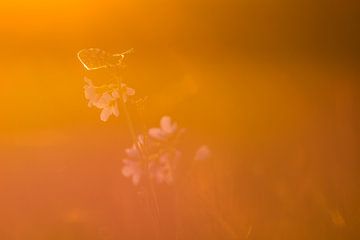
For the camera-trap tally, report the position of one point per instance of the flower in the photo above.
(134, 152)
(132, 163)
(167, 129)
(109, 105)
(91, 93)
(202, 153)
(106, 97)
(127, 91)
(163, 171)
(156, 155)
(132, 169)
(159, 164)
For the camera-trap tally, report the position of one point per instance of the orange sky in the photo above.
(271, 86)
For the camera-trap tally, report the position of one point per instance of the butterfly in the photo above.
(95, 58)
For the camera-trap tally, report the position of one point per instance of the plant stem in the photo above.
(143, 156)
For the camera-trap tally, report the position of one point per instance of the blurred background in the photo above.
(271, 86)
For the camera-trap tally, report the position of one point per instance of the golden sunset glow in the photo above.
(228, 120)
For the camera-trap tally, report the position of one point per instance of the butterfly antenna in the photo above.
(123, 54)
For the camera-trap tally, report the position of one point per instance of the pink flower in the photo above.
(164, 170)
(167, 129)
(202, 153)
(91, 93)
(109, 105)
(133, 152)
(106, 97)
(132, 163)
(127, 91)
(133, 170)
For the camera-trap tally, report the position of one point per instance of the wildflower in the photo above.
(159, 164)
(91, 93)
(134, 151)
(132, 169)
(109, 105)
(202, 153)
(102, 99)
(106, 97)
(164, 170)
(127, 91)
(132, 163)
(167, 129)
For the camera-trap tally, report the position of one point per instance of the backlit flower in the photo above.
(127, 91)
(91, 92)
(106, 97)
(109, 105)
(133, 167)
(202, 153)
(164, 170)
(167, 129)
(156, 155)
(133, 170)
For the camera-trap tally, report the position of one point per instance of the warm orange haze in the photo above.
(248, 113)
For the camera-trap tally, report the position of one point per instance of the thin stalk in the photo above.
(143, 156)
(155, 199)
(127, 117)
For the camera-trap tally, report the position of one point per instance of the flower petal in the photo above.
(127, 171)
(136, 178)
(132, 152)
(115, 109)
(125, 97)
(115, 93)
(89, 92)
(130, 91)
(88, 81)
(104, 101)
(167, 125)
(202, 153)
(164, 174)
(164, 158)
(105, 114)
(156, 133)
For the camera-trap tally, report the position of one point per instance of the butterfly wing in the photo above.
(95, 58)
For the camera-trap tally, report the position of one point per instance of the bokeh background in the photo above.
(271, 86)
